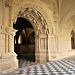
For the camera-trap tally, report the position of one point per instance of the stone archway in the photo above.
(40, 23)
(24, 44)
(41, 32)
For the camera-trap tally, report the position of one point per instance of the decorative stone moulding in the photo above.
(10, 30)
(36, 18)
(7, 30)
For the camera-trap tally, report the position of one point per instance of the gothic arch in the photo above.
(36, 18)
(41, 30)
(40, 13)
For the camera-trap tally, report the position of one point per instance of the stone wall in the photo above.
(52, 35)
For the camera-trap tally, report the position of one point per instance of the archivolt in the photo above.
(35, 17)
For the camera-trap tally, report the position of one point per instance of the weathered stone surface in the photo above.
(52, 21)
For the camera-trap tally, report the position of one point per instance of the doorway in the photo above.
(24, 42)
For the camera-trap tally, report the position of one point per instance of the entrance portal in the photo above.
(24, 42)
(28, 21)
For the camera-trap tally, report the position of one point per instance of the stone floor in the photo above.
(59, 67)
(24, 63)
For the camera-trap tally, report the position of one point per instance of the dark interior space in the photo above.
(24, 41)
(73, 39)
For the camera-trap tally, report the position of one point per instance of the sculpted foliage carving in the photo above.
(36, 18)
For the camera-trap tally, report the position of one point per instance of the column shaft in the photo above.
(6, 43)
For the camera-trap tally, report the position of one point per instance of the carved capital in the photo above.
(10, 30)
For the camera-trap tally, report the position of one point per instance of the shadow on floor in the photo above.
(26, 61)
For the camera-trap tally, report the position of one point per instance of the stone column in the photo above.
(43, 48)
(10, 16)
(52, 47)
(8, 58)
(37, 48)
(9, 43)
(1, 12)
(11, 10)
(49, 50)
(12, 43)
(6, 43)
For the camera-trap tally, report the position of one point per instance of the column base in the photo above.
(8, 62)
(41, 58)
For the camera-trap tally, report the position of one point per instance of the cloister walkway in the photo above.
(59, 67)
